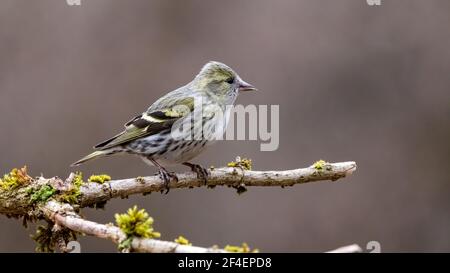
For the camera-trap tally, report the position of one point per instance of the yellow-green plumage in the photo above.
(149, 135)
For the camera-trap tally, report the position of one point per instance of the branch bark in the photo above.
(94, 193)
(64, 215)
(17, 202)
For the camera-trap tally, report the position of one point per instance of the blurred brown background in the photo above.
(353, 82)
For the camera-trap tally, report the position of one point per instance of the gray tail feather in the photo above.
(94, 155)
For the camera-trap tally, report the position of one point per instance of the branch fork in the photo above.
(64, 215)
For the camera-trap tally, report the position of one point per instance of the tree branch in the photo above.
(17, 201)
(93, 192)
(64, 215)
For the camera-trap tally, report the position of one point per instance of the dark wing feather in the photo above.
(136, 128)
(148, 124)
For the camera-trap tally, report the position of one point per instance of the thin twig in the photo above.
(64, 215)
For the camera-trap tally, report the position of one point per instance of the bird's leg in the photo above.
(165, 175)
(202, 173)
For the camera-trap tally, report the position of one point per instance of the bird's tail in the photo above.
(94, 155)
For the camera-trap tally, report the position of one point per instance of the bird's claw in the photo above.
(167, 177)
(202, 173)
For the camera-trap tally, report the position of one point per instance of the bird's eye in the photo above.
(230, 81)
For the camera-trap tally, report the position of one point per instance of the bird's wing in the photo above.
(160, 116)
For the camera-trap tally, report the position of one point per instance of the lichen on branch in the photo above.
(58, 202)
(136, 223)
(16, 178)
(101, 178)
(243, 248)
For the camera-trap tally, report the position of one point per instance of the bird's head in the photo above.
(220, 80)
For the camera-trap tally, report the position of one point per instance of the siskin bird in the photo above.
(181, 124)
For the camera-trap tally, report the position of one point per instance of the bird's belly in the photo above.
(148, 146)
(167, 151)
(181, 151)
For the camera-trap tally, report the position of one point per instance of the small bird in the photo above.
(181, 124)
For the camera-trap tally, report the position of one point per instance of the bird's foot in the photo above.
(167, 177)
(202, 173)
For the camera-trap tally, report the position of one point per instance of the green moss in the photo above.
(182, 241)
(43, 194)
(136, 223)
(43, 238)
(244, 163)
(101, 178)
(16, 178)
(47, 239)
(78, 179)
(72, 195)
(244, 248)
(125, 245)
(320, 165)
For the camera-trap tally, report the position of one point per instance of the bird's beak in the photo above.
(244, 86)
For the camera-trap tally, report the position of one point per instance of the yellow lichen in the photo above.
(182, 241)
(319, 165)
(244, 163)
(140, 179)
(16, 178)
(244, 248)
(71, 196)
(136, 223)
(101, 178)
